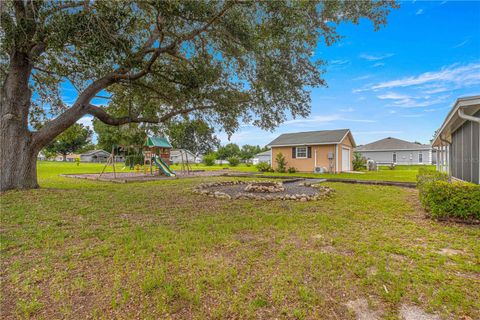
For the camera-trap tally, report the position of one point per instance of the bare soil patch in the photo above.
(363, 311)
(408, 312)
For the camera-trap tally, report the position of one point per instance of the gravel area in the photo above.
(290, 188)
(297, 191)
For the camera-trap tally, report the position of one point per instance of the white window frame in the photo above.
(394, 157)
(420, 157)
(297, 153)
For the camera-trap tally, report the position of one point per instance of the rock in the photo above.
(303, 199)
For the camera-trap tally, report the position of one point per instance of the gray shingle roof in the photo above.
(264, 153)
(93, 152)
(310, 137)
(392, 144)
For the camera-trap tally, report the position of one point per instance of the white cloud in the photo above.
(457, 75)
(378, 64)
(349, 109)
(393, 96)
(461, 44)
(315, 120)
(373, 57)
(419, 11)
(86, 121)
(409, 101)
(367, 76)
(376, 132)
(339, 62)
(411, 115)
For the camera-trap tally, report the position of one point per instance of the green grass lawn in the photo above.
(85, 249)
(400, 173)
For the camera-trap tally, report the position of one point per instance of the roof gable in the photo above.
(95, 152)
(179, 152)
(264, 153)
(310, 137)
(392, 144)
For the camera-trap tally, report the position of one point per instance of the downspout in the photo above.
(462, 115)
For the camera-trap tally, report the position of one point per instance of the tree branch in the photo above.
(103, 116)
(82, 105)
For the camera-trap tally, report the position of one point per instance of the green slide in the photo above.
(163, 166)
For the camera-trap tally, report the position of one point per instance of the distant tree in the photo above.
(71, 140)
(88, 147)
(132, 134)
(249, 151)
(194, 135)
(227, 151)
(225, 61)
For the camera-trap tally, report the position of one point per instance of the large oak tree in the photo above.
(222, 61)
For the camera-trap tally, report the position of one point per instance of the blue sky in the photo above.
(400, 81)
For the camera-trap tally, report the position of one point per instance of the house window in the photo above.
(301, 152)
(420, 157)
(394, 158)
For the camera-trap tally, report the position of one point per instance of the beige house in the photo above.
(315, 151)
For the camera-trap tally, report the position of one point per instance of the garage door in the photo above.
(345, 159)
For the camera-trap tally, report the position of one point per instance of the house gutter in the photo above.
(464, 116)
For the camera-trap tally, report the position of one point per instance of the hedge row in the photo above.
(444, 199)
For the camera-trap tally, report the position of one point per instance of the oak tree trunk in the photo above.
(18, 152)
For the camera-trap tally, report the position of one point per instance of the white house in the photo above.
(265, 156)
(177, 156)
(95, 156)
(391, 150)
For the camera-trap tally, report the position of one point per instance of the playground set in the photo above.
(156, 152)
(156, 164)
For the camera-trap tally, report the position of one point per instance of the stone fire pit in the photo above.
(265, 187)
(264, 190)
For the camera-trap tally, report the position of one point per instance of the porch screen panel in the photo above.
(476, 150)
(467, 151)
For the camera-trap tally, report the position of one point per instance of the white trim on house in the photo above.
(306, 152)
(301, 144)
(349, 156)
(393, 150)
(336, 157)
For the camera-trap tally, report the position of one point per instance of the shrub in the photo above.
(233, 161)
(263, 167)
(444, 199)
(209, 159)
(291, 170)
(281, 163)
(359, 161)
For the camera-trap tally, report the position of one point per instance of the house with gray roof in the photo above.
(179, 156)
(95, 156)
(396, 151)
(315, 151)
(265, 156)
